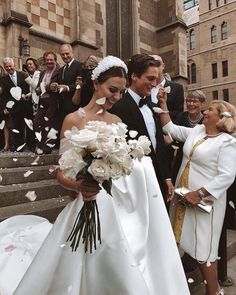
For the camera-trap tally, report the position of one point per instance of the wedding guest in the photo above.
(136, 112)
(20, 108)
(46, 119)
(208, 169)
(133, 221)
(65, 81)
(32, 70)
(190, 118)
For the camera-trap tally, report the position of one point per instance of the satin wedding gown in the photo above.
(137, 256)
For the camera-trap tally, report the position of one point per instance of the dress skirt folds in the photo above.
(138, 254)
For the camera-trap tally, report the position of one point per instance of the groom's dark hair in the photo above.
(139, 63)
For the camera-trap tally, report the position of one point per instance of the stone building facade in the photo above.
(211, 49)
(99, 27)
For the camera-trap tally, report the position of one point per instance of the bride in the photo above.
(138, 253)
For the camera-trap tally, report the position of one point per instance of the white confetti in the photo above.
(31, 195)
(28, 173)
(46, 118)
(2, 125)
(52, 134)
(15, 131)
(16, 92)
(99, 112)
(20, 147)
(231, 203)
(15, 159)
(29, 123)
(133, 133)
(50, 145)
(46, 128)
(38, 136)
(35, 162)
(101, 101)
(190, 280)
(10, 104)
(39, 151)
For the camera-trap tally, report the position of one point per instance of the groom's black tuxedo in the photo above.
(130, 114)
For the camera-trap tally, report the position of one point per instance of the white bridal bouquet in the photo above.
(99, 152)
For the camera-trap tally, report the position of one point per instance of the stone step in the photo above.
(12, 160)
(16, 175)
(46, 208)
(44, 189)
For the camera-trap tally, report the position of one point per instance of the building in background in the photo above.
(98, 27)
(211, 39)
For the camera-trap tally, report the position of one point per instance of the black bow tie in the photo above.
(142, 102)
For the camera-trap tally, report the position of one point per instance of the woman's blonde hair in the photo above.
(227, 111)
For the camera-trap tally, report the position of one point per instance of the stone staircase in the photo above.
(21, 173)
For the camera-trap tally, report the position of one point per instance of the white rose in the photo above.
(116, 170)
(100, 170)
(137, 153)
(127, 165)
(84, 139)
(145, 143)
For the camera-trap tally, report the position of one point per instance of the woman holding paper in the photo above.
(208, 169)
(46, 118)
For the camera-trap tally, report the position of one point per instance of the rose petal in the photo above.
(231, 203)
(101, 101)
(35, 162)
(190, 280)
(28, 173)
(20, 147)
(15, 131)
(99, 112)
(15, 159)
(29, 123)
(46, 118)
(167, 89)
(0, 178)
(133, 133)
(10, 104)
(31, 195)
(38, 136)
(2, 125)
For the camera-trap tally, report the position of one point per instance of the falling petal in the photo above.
(190, 280)
(15, 159)
(175, 147)
(60, 90)
(29, 123)
(51, 170)
(38, 136)
(10, 104)
(10, 248)
(231, 203)
(101, 101)
(39, 151)
(0, 178)
(15, 131)
(28, 173)
(52, 134)
(159, 110)
(41, 106)
(208, 264)
(16, 92)
(50, 145)
(46, 118)
(62, 245)
(133, 133)
(20, 147)
(99, 112)
(35, 162)
(31, 195)
(46, 128)
(167, 89)
(2, 125)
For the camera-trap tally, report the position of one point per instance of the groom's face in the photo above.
(143, 85)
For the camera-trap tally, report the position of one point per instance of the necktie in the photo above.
(66, 66)
(13, 78)
(142, 102)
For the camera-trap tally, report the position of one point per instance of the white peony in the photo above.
(100, 170)
(145, 143)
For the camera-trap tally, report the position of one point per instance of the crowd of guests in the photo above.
(205, 154)
(33, 103)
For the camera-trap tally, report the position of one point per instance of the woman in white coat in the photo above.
(208, 169)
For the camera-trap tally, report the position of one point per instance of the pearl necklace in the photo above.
(213, 135)
(194, 123)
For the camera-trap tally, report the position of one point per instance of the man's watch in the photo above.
(201, 194)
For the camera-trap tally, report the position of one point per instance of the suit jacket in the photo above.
(175, 99)
(65, 99)
(7, 84)
(53, 77)
(130, 114)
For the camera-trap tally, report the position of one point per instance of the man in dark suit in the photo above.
(175, 99)
(136, 112)
(65, 81)
(19, 109)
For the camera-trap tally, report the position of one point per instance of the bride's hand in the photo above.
(88, 189)
(162, 96)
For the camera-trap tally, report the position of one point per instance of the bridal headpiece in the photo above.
(106, 63)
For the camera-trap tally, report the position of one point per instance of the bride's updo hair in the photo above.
(109, 66)
(227, 111)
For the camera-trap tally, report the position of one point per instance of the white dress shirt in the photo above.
(147, 116)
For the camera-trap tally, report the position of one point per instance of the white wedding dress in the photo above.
(138, 254)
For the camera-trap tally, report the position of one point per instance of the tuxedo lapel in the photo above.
(10, 82)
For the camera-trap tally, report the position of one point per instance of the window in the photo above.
(224, 31)
(188, 72)
(213, 34)
(209, 4)
(217, 3)
(192, 39)
(190, 3)
(214, 70)
(215, 94)
(225, 68)
(226, 94)
(193, 73)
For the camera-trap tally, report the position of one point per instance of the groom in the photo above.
(135, 110)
